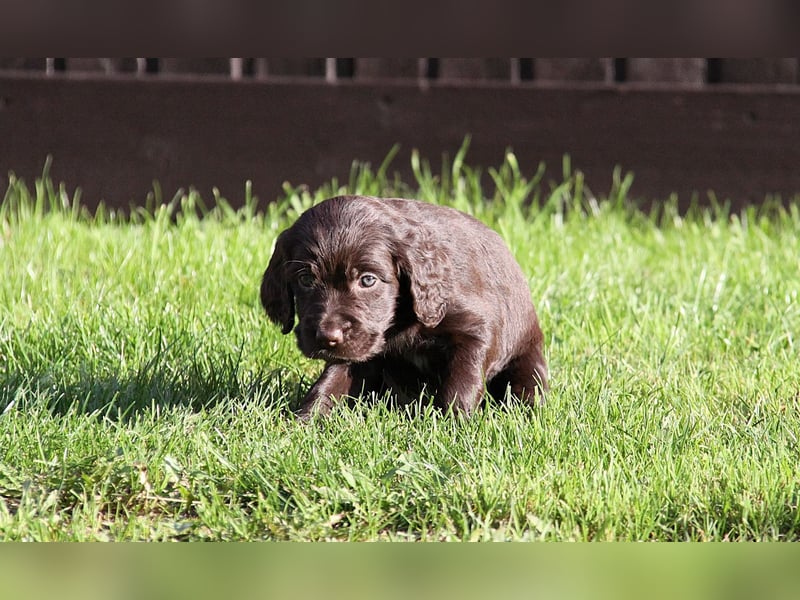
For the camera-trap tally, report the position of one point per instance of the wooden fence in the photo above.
(688, 71)
(683, 126)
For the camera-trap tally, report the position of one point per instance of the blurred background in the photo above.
(695, 128)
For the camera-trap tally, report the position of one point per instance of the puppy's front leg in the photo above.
(336, 381)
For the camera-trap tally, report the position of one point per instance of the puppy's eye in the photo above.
(368, 280)
(306, 280)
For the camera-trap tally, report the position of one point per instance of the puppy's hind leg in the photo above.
(462, 386)
(527, 376)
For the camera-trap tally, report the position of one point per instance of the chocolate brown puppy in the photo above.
(405, 296)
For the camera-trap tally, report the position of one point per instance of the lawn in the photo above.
(145, 396)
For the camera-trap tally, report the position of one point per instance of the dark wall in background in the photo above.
(112, 135)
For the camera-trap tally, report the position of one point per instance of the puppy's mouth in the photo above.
(341, 355)
(357, 346)
(330, 356)
(352, 351)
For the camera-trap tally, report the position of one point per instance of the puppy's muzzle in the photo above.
(330, 334)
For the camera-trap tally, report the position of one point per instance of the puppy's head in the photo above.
(334, 267)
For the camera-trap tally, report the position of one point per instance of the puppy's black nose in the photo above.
(330, 336)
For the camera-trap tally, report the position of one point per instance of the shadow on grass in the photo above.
(124, 396)
(165, 386)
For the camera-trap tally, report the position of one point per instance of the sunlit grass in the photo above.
(144, 395)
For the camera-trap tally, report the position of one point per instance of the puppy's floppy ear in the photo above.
(276, 293)
(427, 268)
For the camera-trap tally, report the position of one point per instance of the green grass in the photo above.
(145, 396)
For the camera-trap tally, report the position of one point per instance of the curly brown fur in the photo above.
(405, 296)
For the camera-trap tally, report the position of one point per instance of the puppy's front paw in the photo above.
(316, 407)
